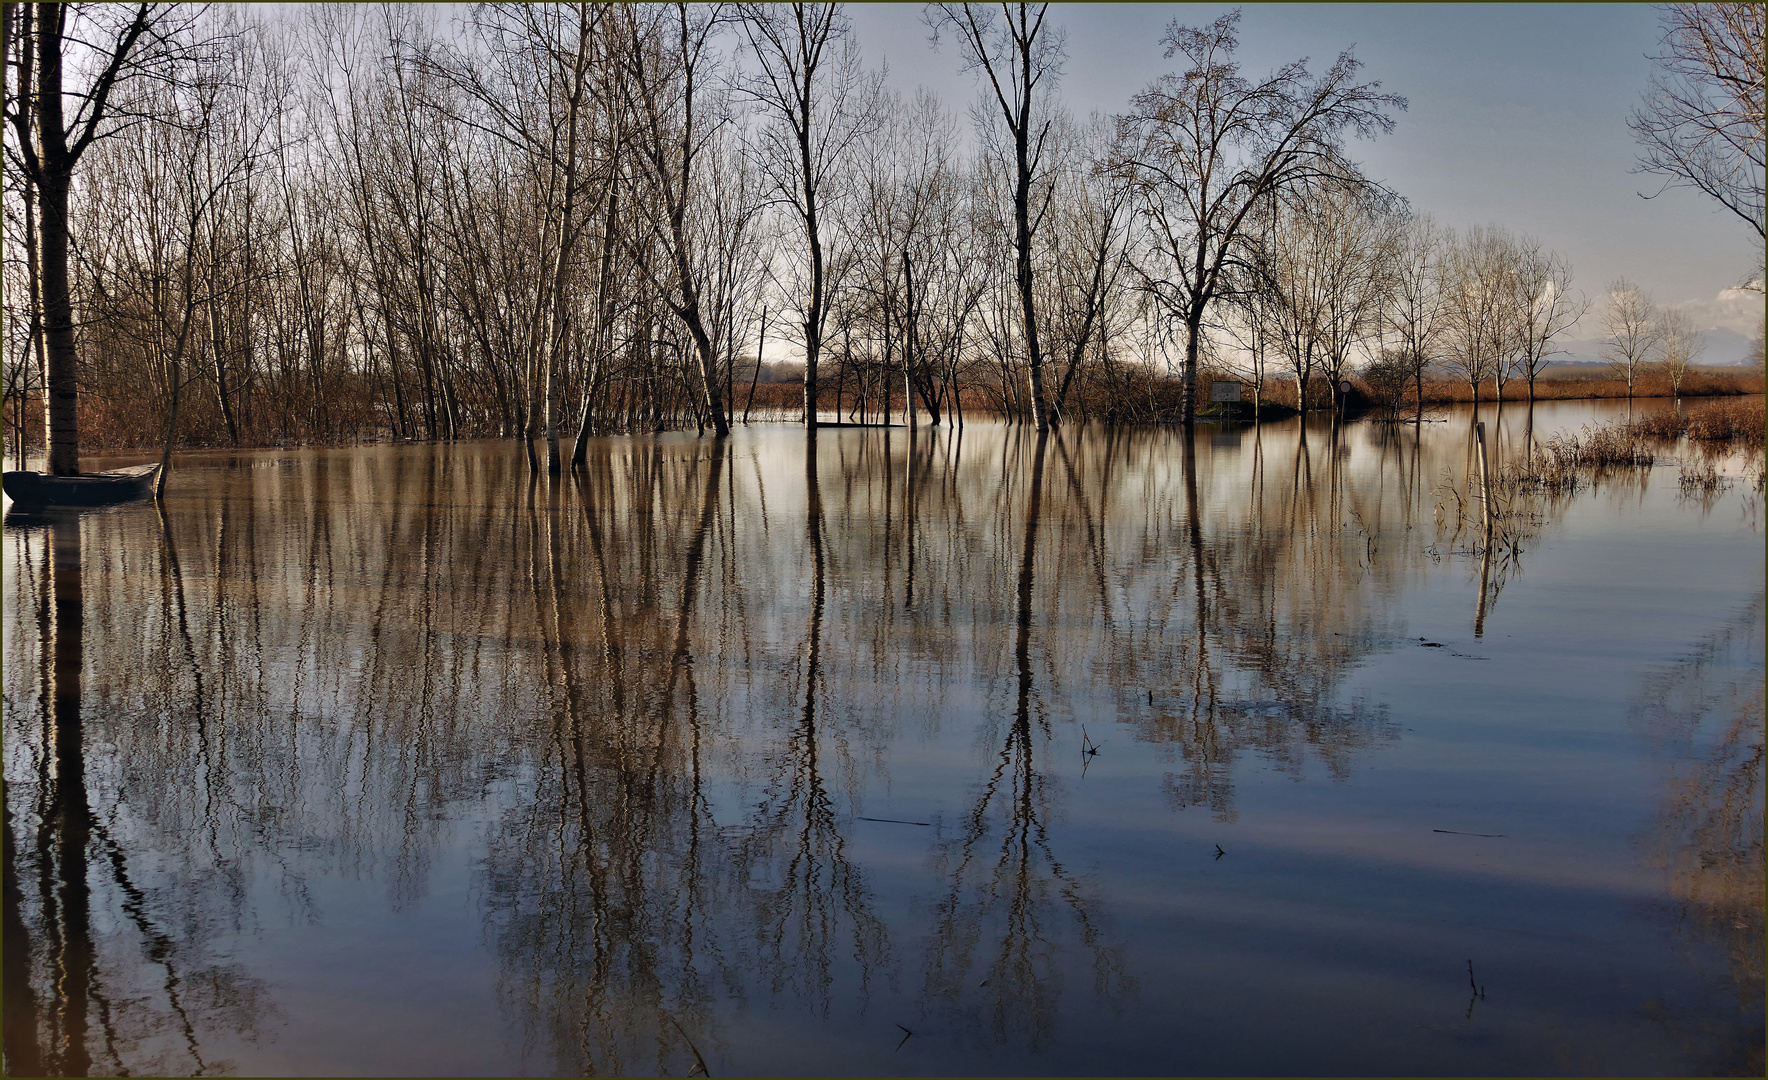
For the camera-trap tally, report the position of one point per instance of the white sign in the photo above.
(1224, 391)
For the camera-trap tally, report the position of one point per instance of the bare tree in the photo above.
(1088, 247)
(1417, 310)
(819, 102)
(1484, 322)
(1681, 344)
(1207, 145)
(1286, 281)
(674, 121)
(1701, 123)
(1356, 231)
(537, 95)
(1017, 54)
(161, 250)
(110, 45)
(1633, 333)
(1546, 303)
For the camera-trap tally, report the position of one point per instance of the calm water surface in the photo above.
(953, 753)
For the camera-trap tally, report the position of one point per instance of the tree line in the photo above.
(547, 222)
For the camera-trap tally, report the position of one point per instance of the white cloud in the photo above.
(1736, 310)
(1728, 321)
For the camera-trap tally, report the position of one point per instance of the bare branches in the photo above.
(1206, 145)
(818, 102)
(1701, 124)
(1017, 55)
(1632, 332)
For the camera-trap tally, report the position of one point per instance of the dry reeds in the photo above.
(1727, 421)
(1714, 422)
(1699, 478)
(1563, 462)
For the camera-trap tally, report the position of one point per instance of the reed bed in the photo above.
(1714, 422)
(1727, 421)
(1563, 462)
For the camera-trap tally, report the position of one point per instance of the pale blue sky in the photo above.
(1518, 116)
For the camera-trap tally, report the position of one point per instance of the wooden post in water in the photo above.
(1485, 476)
(1485, 560)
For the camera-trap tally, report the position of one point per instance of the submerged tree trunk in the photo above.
(1034, 358)
(61, 391)
(1193, 330)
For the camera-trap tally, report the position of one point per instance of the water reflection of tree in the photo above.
(997, 915)
(1283, 604)
(106, 969)
(605, 879)
(1704, 718)
(668, 692)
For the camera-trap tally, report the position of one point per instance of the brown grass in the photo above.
(1709, 422)
(1563, 462)
(1728, 421)
(1583, 385)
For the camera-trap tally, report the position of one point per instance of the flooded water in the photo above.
(947, 753)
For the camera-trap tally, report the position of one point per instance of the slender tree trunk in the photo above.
(1022, 272)
(1193, 330)
(61, 389)
(39, 344)
(813, 325)
(908, 340)
(760, 341)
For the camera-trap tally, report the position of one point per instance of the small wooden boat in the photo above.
(87, 489)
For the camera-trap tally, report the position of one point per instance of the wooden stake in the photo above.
(1485, 476)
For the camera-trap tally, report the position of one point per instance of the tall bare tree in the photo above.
(1206, 145)
(109, 44)
(1681, 344)
(668, 60)
(1547, 305)
(1417, 312)
(1356, 232)
(1632, 333)
(1018, 55)
(819, 102)
(1485, 325)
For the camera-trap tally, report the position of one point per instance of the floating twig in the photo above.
(906, 1036)
(894, 821)
(1457, 832)
(699, 1062)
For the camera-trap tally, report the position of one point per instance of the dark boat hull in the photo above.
(89, 489)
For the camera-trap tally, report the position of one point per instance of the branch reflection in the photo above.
(640, 708)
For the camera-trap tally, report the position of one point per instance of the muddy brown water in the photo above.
(934, 753)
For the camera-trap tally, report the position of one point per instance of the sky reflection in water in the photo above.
(758, 761)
